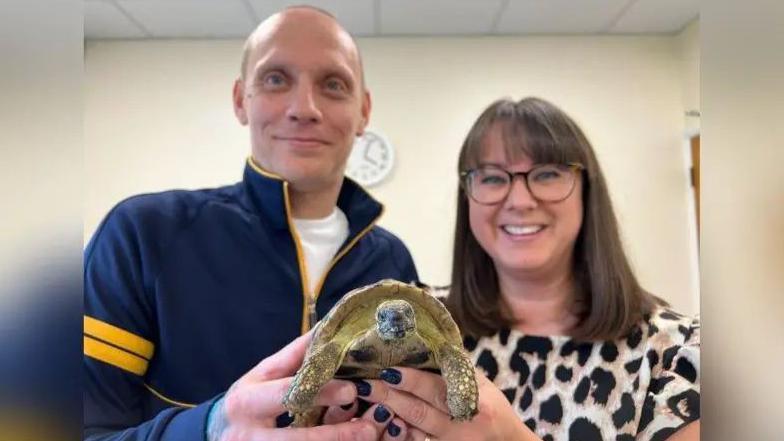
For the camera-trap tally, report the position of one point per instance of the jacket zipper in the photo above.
(310, 315)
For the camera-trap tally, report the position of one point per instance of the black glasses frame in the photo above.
(466, 175)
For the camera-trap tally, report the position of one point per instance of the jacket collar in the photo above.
(269, 196)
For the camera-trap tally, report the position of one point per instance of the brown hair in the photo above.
(610, 298)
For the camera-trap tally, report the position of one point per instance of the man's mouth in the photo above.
(302, 140)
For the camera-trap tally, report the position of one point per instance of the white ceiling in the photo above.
(140, 19)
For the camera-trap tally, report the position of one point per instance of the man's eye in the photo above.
(336, 85)
(273, 79)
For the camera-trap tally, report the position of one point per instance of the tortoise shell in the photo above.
(382, 325)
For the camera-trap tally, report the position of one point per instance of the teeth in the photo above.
(522, 230)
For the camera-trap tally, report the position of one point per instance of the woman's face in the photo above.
(526, 238)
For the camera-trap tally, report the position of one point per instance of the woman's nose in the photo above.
(519, 195)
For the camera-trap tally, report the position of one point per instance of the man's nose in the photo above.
(519, 195)
(303, 106)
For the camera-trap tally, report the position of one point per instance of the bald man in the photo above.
(192, 297)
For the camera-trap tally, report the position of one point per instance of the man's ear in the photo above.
(366, 106)
(238, 99)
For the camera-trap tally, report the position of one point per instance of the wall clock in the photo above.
(371, 160)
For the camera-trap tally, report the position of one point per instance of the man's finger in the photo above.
(340, 414)
(256, 400)
(283, 363)
(265, 400)
(358, 430)
(415, 434)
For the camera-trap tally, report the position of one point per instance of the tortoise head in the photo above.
(395, 319)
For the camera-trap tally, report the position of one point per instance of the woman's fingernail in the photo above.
(362, 406)
(391, 376)
(393, 429)
(381, 414)
(284, 420)
(363, 387)
(347, 406)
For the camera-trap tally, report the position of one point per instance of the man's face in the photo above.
(303, 99)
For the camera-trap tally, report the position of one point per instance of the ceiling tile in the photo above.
(104, 20)
(558, 16)
(438, 17)
(355, 15)
(236, 18)
(191, 18)
(664, 16)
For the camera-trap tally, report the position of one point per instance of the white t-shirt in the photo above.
(320, 240)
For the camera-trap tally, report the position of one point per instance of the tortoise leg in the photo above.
(309, 418)
(462, 394)
(315, 373)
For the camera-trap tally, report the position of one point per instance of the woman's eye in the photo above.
(492, 180)
(547, 175)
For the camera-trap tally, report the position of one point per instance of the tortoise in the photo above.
(385, 324)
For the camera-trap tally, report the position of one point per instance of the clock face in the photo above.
(371, 160)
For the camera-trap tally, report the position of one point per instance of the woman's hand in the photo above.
(395, 429)
(419, 399)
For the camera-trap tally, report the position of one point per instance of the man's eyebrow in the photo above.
(345, 74)
(263, 68)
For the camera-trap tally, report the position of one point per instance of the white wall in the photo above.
(158, 115)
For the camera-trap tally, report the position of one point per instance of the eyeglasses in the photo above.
(490, 184)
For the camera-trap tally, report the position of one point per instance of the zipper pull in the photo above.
(312, 314)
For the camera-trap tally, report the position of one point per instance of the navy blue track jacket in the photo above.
(185, 291)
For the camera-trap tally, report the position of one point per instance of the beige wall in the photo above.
(689, 44)
(742, 235)
(158, 116)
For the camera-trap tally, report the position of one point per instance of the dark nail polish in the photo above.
(393, 429)
(284, 420)
(381, 414)
(347, 406)
(363, 388)
(391, 376)
(362, 406)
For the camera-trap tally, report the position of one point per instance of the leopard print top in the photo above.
(642, 387)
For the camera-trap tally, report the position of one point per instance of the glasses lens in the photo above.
(488, 185)
(551, 182)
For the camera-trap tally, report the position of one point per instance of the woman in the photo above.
(571, 346)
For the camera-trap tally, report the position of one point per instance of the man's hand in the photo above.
(248, 410)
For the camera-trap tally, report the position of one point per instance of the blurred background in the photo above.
(158, 115)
